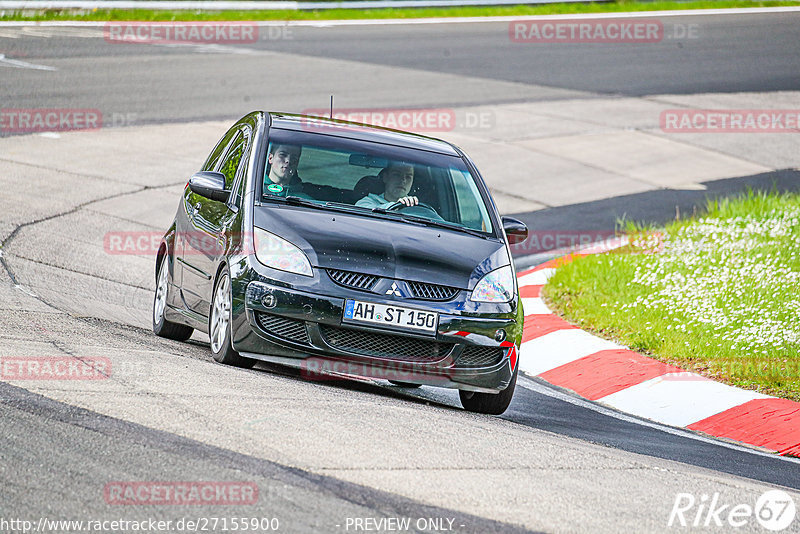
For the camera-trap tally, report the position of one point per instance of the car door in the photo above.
(183, 224)
(207, 223)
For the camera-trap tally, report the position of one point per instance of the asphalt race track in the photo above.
(339, 456)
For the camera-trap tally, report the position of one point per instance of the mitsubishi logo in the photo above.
(394, 291)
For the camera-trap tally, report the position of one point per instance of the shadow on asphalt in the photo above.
(420, 396)
(554, 228)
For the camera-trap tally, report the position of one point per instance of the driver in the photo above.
(398, 178)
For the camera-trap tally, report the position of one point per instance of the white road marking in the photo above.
(25, 290)
(536, 278)
(558, 348)
(534, 305)
(679, 399)
(15, 63)
(12, 32)
(534, 386)
(96, 33)
(210, 48)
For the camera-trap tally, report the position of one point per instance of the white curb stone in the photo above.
(558, 348)
(679, 399)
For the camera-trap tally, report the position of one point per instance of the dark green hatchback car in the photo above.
(345, 250)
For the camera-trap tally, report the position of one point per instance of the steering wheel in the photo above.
(399, 205)
(425, 208)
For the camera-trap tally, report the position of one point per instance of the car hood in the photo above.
(391, 249)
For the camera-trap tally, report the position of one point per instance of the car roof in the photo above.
(362, 132)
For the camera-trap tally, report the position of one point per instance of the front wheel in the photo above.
(488, 403)
(219, 325)
(161, 326)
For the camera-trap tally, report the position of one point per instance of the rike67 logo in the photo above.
(774, 510)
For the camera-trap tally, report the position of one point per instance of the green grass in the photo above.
(717, 294)
(335, 14)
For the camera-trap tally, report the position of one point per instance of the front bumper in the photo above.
(303, 329)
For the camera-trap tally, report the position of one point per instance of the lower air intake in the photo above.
(476, 356)
(284, 328)
(386, 346)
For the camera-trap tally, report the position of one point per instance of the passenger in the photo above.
(282, 179)
(283, 160)
(398, 178)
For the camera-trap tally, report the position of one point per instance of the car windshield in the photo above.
(370, 177)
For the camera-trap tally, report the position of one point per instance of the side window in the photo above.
(213, 158)
(241, 183)
(230, 164)
(472, 211)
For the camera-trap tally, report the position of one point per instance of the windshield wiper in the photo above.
(298, 201)
(345, 206)
(432, 222)
(292, 199)
(449, 226)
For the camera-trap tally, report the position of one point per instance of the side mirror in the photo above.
(515, 230)
(209, 184)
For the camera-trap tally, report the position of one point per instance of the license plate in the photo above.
(356, 311)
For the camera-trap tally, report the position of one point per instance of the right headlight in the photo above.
(496, 286)
(276, 252)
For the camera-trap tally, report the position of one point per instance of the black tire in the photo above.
(488, 403)
(221, 349)
(404, 384)
(162, 327)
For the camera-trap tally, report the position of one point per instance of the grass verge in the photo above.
(717, 294)
(339, 14)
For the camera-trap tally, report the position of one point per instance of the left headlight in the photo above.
(496, 286)
(276, 252)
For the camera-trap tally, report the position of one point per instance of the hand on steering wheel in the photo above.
(408, 202)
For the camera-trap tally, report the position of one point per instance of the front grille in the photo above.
(425, 291)
(283, 327)
(477, 356)
(385, 345)
(353, 280)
